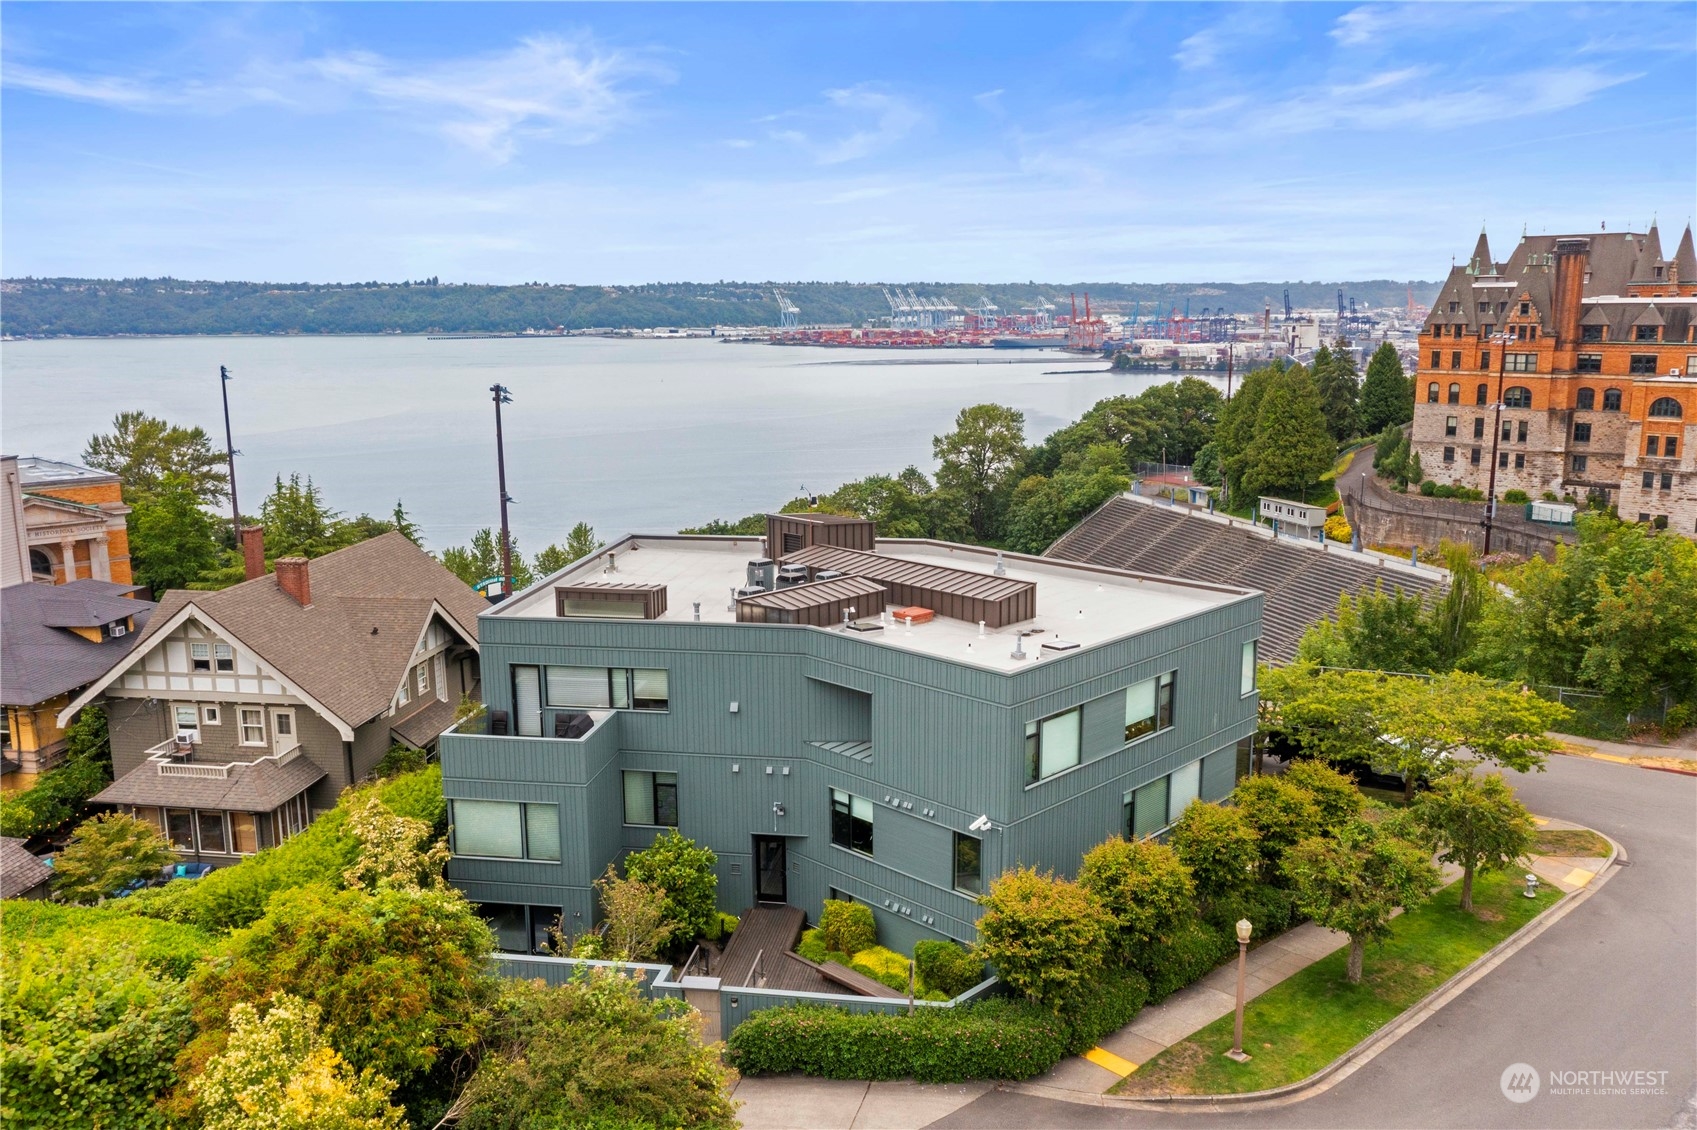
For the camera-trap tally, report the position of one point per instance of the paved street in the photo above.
(1609, 987)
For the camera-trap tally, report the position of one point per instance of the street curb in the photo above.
(1361, 1054)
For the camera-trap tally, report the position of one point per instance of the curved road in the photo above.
(1611, 986)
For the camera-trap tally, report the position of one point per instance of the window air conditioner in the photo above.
(117, 630)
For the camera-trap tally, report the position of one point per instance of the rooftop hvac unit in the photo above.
(791, 575)
(762, 574)
(750, 590)
(829, 574)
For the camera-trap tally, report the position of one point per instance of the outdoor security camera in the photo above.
(982, 824)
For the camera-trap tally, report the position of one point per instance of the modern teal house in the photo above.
(837, 715)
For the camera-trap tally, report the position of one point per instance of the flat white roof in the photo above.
(1082, 604)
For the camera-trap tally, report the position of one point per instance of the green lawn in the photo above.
(1303, 1023)
(1576, 842)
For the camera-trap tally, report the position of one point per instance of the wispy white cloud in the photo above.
(545, 87)
(1248, 25)
(1386, 25)
(892, 118)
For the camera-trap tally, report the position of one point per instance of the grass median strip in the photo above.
(1306, 1021)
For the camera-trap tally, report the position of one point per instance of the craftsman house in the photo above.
(241, 714)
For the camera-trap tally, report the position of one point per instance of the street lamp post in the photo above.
(502, 396)
(1501, 342)
(1244, 927)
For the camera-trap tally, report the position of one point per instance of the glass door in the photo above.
(770, 868)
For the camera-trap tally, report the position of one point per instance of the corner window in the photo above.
(1246, 668)
(651, 798)
(851, 822)
(1052, 744)
(969, 864)
(200, 657)
(498, 829)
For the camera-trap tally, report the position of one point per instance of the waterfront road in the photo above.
(1610, 987)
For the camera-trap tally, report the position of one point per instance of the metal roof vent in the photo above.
(1001, 569)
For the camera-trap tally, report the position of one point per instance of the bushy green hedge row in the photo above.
(171, 949)
(946, 967)
(1190, 953)
(995, 1039)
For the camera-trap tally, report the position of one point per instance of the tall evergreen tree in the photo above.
(1292, 447)
(1340, 388)
(1237, 424)
(1387, 395)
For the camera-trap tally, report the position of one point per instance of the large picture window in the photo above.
(501, 829)
(1052, 744)
(623, 688)
(651, 798)
(851, 821)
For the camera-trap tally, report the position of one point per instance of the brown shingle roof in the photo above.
(351, 646)
(20, 872)
(259, 786)
(40, 658)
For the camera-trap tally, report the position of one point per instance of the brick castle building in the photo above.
(1577, 357)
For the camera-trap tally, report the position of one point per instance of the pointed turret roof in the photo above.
(1650, 257)
(1685, 259)
(1480, 263)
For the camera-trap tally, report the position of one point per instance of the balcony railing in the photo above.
(168, 756)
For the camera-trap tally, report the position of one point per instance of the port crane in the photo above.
(789, 314)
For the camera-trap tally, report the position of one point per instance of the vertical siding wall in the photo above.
(947, 747)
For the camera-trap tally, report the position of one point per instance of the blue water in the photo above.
(628, 435)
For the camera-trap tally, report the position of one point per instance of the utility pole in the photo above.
(230, 453)
(1230, 350)
(502, 396)
(1496, 437)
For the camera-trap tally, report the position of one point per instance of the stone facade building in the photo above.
(1573, 362)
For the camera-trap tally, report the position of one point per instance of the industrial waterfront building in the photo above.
(1571, 364)
(837, 715)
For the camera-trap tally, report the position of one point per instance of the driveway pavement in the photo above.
(1612, 986)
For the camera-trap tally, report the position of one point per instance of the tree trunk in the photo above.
(1467, 887)
(1408, 787)
(1356, 949)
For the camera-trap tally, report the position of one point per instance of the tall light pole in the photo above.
(502, 396)
(230, 453)
(1244, 927)
(1501, 342)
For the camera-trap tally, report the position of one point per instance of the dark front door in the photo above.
(769, 867)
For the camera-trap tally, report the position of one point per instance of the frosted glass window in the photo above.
(578, 686)
(1246, 679)
(542, 831)
(488, 827)
(527, 701)
(1185, 786)
(651, 690)
(1149, 809)
(1058, 744)
(639, 797)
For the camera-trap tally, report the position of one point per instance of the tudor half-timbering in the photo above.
(241, 714)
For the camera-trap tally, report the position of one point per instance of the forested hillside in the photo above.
(84, 307)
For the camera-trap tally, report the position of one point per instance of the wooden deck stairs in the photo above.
(759, 956)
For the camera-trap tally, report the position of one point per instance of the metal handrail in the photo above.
(706, 961)
(758, 973)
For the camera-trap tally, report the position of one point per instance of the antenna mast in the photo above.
(230, 454)
(502, 396)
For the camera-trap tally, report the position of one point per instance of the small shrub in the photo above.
(1516, 497)
(883, 965)
(1047, 937)
(946, 967)
(1112, 1004)
(1549, 496)
(722, 927)
(1429, 488)
(847, 927)
(1189, 954)
(812, 945)
(400, 759)
(1338, 529)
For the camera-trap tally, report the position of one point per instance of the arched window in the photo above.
(1611, 400)
(1432, 393)
(1666, 407)
(1482, 394)
(1517, 397)
(1587, 398)
(40, 564)
(1455, 394)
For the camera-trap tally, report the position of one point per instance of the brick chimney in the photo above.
(253, 551)
(1572, 255)
(293, 578)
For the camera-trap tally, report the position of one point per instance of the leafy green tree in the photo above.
(752, 526)
(173, 540)
(594, 1053)
(1281, 814)
(87, 738)
(1336, 797)
(1355, 880)
(1047, 937)
(403, 525)
(847, 927)
(88, 1036)
(1377, 630)
(1475, 821)
(1390, 438)
(1219, 846)
(1387, 395)
(1292, 447)
(977, 459)
(580, 542)
(1206, 468)
(280, 1073)
(1236, 430)
(482, 559)
(143, 451)
(1456, 618)
(676, 865)
(637, 927)
(1183, 415)
(1612, 613)
(402, 976)
(1042, 509)
(298, 522)
(395, 851)
(105, 853)
(58, 795)
(1339, 386)
(1144, 887)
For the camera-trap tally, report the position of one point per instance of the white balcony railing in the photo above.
(167, 756)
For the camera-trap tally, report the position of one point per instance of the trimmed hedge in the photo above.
(847, 927)
(1271, 910)
(1190, 953)
(946, 968)
(996, 1039)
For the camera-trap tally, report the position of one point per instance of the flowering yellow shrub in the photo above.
(1337, 529)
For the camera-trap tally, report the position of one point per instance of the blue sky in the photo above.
(621, 143)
